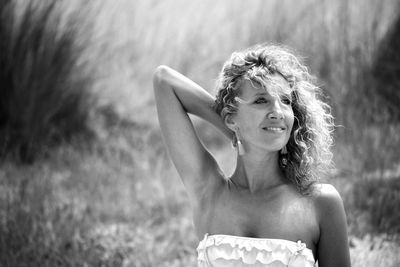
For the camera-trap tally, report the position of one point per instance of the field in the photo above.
(116, 200)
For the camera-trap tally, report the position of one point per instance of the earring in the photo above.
(239, 144)
(284, 157)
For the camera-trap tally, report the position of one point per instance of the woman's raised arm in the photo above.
(176, 96)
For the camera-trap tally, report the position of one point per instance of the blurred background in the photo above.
(84, 176)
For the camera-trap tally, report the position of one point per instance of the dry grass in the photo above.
(119, 202)
(45, 90)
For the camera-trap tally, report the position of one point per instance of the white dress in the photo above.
(232, 251)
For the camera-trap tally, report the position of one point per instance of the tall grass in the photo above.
(120, 202)
(45, 90)
(386, 69)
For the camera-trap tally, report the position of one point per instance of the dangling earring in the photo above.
(239, 144)
(284, 157)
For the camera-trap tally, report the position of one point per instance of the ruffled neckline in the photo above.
(254, 238)
(250, 250)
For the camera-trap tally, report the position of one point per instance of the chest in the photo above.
(275, 215)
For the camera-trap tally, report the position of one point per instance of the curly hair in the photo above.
(308, 148)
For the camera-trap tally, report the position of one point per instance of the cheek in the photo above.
(247, 117)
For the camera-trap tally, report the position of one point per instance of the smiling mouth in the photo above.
(274, 129)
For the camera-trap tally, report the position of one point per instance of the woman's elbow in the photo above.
(160, 75)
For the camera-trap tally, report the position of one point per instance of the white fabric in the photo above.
(233, 251)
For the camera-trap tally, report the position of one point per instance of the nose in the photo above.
(275, 115)
(276, 112)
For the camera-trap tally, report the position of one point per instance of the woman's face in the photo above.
(265, 115)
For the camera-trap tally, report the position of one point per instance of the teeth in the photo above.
(273, 129)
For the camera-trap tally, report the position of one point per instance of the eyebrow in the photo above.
(261, 94)
(264, 94)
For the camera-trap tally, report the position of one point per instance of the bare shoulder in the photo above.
(325, 193)
(327, 200)
(332, 247)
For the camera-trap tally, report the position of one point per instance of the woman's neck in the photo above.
(258, 172)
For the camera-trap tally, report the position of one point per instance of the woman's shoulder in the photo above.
(323, 190)
(332, 245)
(327, 200)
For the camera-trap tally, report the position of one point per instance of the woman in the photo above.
(271, 211)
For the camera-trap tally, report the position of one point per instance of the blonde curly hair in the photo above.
(308, 148)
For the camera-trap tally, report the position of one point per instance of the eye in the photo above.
(260, 100)
(286, 100)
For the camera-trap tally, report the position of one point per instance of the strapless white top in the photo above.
(234, 251)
